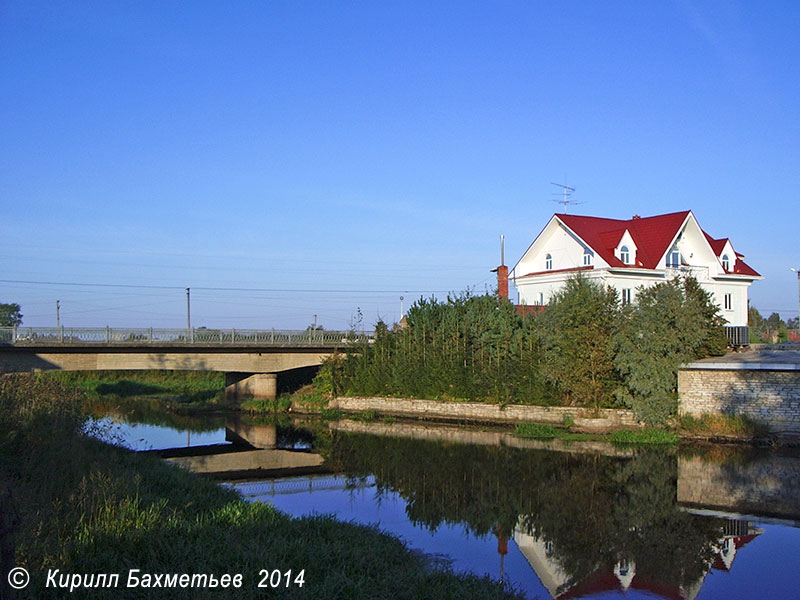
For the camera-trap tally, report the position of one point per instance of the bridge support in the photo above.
(255, 385)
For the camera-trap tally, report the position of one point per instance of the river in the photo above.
(556, 520)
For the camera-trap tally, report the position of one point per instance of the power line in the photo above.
(222, 289)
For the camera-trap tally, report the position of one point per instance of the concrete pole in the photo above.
(189, 313)
(798, 297)
(58, 314)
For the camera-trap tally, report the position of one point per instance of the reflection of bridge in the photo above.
(250, 358)
(300, 485)
(253, 454)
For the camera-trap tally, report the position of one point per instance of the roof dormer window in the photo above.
(548, 262)
(726, 262)
(625, 255)
(674, 257)
(587, 257)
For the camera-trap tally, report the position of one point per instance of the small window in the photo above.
(728, 302)
(626, 296)
(587, 257)
(548, 262)
(674, 258)
(540, 299)
(725, 262)
(625, 255)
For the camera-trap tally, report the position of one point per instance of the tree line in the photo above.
(771, 329)
(585, 349)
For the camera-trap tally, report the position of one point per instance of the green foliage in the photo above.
(10, 315)
(771, 330)
(575, 335)
(536, 431)
(672, 323)
(467, 347)
(644, 436)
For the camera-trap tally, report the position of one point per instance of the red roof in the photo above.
(652, 236)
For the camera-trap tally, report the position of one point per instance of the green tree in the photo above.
(10, 315)
(672, 323)
(575, 334)
(757, 325)
(776, 328)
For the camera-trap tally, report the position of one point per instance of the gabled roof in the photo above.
(652, 236)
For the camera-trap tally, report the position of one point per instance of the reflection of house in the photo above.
(622, 576)
(627, 254)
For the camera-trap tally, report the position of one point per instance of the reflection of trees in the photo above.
(150, 411)
(595, 510)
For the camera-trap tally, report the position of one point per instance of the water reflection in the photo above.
(585, 523)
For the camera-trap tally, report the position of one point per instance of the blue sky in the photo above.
(319, 157)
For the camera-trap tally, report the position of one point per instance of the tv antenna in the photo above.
(565, 195)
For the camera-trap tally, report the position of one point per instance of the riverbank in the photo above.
(190, 393)
(87, 508)
(545, 422)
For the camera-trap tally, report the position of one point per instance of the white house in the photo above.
(629, 254)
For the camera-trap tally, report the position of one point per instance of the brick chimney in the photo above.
(502, 271)
(502, 281)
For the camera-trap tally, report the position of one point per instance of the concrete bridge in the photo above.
(251, 359)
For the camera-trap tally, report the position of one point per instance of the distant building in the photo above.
(626, 255)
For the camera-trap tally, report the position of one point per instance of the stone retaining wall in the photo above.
(487, 413)
(768, 397)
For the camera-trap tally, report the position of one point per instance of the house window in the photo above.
(539, 299)
(728, 302)
(548, 262)
(725, 262)
(625, 255)
(626, 296)
(587, 258)
(674, 257)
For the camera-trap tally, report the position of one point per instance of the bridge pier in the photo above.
(255, 385)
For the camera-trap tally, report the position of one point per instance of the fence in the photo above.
(81, 336)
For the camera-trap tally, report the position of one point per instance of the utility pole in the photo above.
(58, 314)
(798, 297)
(401, 307)
(189, 312)
(315, 322)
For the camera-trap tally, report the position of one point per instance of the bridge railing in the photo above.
(80, 336)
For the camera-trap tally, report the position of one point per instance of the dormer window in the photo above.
(548, 262)
(674, 257)
(587, 257)
(625, 255)
(726, 262)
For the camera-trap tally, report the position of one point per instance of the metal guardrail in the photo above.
(80, 336)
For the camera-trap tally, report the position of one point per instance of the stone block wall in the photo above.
(487, 413)
(768, 397)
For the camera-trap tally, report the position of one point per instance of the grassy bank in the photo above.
(177, 389)
(85, 507)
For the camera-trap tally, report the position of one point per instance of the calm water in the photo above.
(578, 522)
